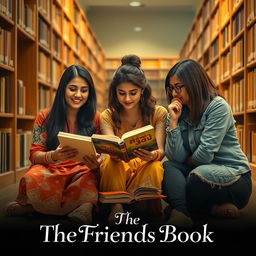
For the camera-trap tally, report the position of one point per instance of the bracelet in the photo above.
(159, 156)
(48, 157)
(45, 158)
(53, 161)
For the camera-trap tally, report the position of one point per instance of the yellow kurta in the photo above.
(119, 175)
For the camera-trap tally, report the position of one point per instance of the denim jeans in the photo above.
(191, 195)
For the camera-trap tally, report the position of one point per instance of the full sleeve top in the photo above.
(212, 140)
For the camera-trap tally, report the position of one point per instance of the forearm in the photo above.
(44, 158)
(174, 149)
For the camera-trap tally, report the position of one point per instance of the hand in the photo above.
(64, 154)
(145, 155)
(175, 109)
(93, 162)
(189, 161)
(115, 158)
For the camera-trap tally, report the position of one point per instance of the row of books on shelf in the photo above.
(225, 35)
(23, 144)
(44, 100)
(235, 95)
(202, 33)
(6, 8)
(4, 94)
(26, 16)
(44, 67)
(146, 63)
(44, 7)
(23, 140)
(6, 55)
(5, 149)
(238, 22)
(251, 46)
(251, 10)
(251, 154)
(238, 55)
(225, 65)
(43, 32)
(251, 97)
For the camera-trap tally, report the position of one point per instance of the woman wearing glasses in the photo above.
(207, 171)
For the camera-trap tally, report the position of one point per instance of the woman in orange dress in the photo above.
(54, 184)
(131, 106)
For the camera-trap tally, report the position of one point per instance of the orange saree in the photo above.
(56, 188)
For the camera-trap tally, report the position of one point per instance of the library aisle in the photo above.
(40, 38)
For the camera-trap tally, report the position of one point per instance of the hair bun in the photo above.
(131, 60)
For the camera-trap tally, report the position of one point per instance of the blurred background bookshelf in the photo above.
(38, 40)
(223, 39)
(155, 69)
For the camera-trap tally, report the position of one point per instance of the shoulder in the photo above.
(160, 111)
(106, 117)
(107, 113)
(42, 115)
(218, 103)
(159, 116)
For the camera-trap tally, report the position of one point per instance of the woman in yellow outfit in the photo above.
(131, 106)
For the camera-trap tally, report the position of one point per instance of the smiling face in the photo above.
(128, 95)
(76, 93)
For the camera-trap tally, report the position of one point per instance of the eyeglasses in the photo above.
(176, 87)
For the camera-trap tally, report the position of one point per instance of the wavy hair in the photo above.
(130, 71)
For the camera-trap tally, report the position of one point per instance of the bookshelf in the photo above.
(155, 69)
(38, 40)
(223, 39)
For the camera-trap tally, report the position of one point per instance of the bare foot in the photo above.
(16, 209)
(82, 214)
(227, 210)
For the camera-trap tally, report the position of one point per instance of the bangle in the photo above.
(46, 157)
(159, 156)
(51, 157)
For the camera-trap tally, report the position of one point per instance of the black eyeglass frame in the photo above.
(176, 87)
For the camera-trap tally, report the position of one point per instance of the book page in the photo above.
(83, 144)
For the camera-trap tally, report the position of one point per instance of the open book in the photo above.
(123, 147)
(141, 193)
(82, 143)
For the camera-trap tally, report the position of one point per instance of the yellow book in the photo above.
(82, 143)
(140, 193)
(123, 147)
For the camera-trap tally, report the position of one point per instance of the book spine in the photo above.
(124, 152)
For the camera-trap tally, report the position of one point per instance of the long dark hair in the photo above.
(57, 117)
(130, 71)
(200, 88)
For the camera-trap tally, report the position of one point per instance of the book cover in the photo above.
(82, 143)
(123, 147)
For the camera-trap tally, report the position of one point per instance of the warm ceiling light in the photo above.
(135, 4)
(137, 29)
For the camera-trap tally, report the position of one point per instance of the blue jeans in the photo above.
(191, 195)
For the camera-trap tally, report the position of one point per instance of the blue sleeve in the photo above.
(174, 149)
(218, 120)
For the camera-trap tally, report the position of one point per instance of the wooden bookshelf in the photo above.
(38, 40)
(223, 39)
(155, 68)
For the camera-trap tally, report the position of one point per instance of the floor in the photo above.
(24, 229)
